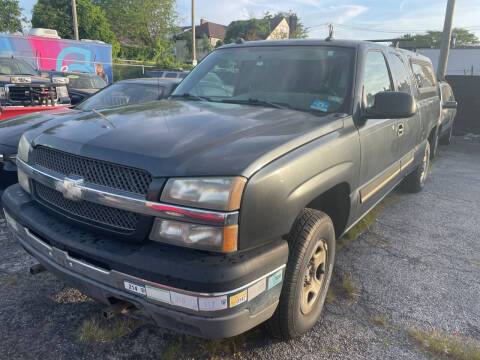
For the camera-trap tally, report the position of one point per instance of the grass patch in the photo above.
(350, 287)
(473, 262)
(217, 348)
(97, 329)
(452, 347)
(364, 224)
(382, 321)
(174, 352)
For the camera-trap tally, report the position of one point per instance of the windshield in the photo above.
(307, 78)
(123, 93)
(11, 66)
(86, 82)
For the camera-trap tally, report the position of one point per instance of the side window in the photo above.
(400, 73)
(377, 77)
(423, 74)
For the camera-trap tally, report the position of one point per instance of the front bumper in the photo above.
(205, 313)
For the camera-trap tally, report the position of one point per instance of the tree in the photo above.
(147, 24)
(92, 22)
(257, 29)
(434, 39)
(11, 16)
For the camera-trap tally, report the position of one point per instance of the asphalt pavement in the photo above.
(416, 267)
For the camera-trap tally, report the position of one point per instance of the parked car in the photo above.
(448, 114)
(23, 89)
(126, 92)
(221, 210)
(166, 74)
(80, 85)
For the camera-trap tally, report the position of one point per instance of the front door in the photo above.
(380, 166)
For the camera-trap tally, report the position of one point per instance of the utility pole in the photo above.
(75, 22)
(194, 46)
(446, 40)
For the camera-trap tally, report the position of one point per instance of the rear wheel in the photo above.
(434, 144)
(447, 138)
(307, 277)
(416, 180)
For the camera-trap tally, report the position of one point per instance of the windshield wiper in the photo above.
(191, 97)
(258, 102)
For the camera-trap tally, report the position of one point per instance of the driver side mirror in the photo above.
(450, 105)
(392, 105)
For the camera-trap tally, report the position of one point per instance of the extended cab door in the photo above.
(379, 140)
(408, 129)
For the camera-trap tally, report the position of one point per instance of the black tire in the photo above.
(313, 230)
(447, 138)
(415, 182)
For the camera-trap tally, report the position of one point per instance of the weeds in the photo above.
(350, 287)
(97, 329)
(441, 343)
(382, 321)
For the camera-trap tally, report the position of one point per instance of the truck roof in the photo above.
(319, 42)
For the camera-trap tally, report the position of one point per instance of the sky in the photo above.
(352, 19)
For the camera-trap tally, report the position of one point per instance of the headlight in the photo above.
(222, 194)
(62, 91)
(221, 239)
(23, 181)
(3, 92)
(23, 149)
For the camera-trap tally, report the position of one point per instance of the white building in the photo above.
(462, 61)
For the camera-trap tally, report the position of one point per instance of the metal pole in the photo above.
(194, 45)
(75, 22)
(446, 39)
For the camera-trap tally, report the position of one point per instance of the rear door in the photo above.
(408, 129)
(378, 137)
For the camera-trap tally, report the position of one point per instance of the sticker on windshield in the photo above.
(73, 76)
(320, 105)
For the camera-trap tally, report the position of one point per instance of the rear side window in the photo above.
(423, 74)
(171, 75)
(377, 77)
(400, 73)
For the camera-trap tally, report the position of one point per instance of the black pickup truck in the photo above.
(218, 209)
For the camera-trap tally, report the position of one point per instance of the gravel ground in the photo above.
(417, 266)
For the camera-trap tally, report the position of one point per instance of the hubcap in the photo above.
(314, 276)
(425, 164)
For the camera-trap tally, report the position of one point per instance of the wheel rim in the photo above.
(314, 276)
(425, 164)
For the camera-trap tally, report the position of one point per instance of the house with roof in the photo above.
(208, 34)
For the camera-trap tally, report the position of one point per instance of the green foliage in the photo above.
(92, 22)
(253, 29)
(146, 25)
(10, 16)
(434, 39)
(257, 29)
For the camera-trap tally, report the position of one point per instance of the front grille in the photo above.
(94, 171)
(27, 94)
(119, 219)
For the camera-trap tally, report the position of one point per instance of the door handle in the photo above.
(400, 129)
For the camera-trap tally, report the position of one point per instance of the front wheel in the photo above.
(416, 180)
(307, 277)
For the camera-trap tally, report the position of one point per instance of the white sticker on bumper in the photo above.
(186, 301)
(212, 304)
(257, 289)
(158, 294)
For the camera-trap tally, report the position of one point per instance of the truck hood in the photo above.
(186, 138)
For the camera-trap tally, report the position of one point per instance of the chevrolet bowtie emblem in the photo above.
(70, 188)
